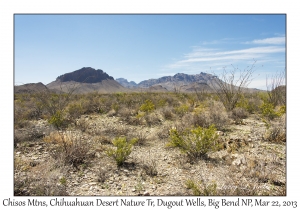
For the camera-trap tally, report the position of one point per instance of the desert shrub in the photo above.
(282, 110)
(162, 103)
(268, 111)
(163, 132)
(200, 189)
(105, 103)
(147, 106)
(122, 150)
(70, 148)
(124, 112)
(113, 130)
(82, 124)
(215, 116)
(150, 168)
(58, 120)
(102, 175)
(196, 142)
(219, 119)
(75, 110)
(229, 88)
(141, 137)
(275, 133)
(29, 134)
(182, 109)
(201, 119)
(153, 119)
(91, 103)
(238, 114)
(276, 89)
(138, 119)
(40, 180)
(254, 104)
(167, 113)
(115, 106)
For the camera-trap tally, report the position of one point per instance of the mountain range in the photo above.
(88, 79)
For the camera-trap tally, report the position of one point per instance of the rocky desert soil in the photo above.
(247, 164)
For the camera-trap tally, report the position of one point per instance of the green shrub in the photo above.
(196, 142)
(75, 110)
(57, 120)
(162, 102)
(123, 150)
(201, 189)
(147, 106)
(268, 111)
(282, 110)
(181, 110)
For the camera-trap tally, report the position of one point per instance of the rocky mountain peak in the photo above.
(85, 75)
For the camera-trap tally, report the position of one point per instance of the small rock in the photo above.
(146, 193)
(236, 162)
(220, 133)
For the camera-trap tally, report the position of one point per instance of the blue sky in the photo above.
(140, 47)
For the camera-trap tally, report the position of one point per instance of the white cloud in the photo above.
(273, 40)
(265, 59)
(209, 55)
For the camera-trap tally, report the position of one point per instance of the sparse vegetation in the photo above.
(200, 189)
(85, 138)
(122, 150)
(229, 88)
(195, 142)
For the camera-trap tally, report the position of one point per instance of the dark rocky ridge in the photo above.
(85, 75)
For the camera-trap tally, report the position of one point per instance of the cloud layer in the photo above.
(203, 58)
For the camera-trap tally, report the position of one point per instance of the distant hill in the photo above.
(181, 81)
(125, 83)
(157, 88)
(30, 88)
(85, 75)
(86, 80)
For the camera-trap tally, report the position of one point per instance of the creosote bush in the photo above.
(122, 150)
(270, 112)
(181, 110)
(148, 106)
(196, 142)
